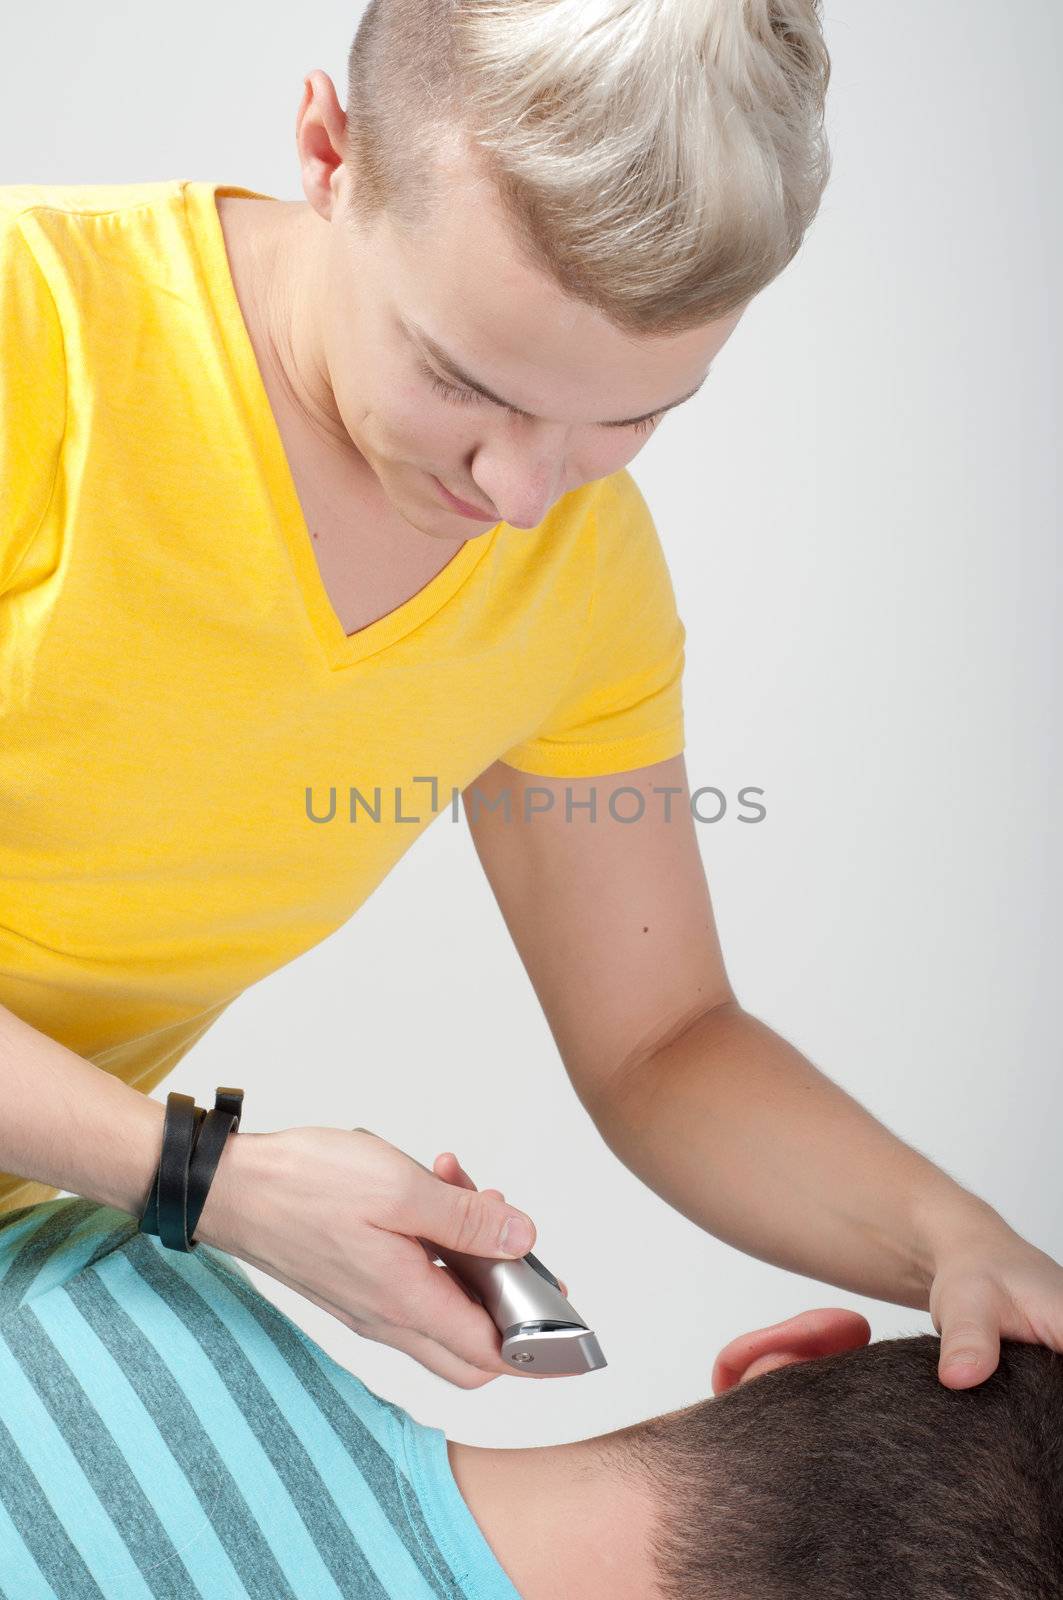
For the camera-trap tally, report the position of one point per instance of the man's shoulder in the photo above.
(87, 199)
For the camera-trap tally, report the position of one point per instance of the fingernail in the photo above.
(516, 1237)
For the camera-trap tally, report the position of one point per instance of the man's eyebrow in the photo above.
(453, 370)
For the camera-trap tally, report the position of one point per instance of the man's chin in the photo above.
(423, 509)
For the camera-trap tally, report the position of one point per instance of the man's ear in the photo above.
(809, 1334)
(320, 131)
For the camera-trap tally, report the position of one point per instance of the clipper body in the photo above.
(542, 1334)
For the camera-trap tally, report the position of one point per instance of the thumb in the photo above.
(970, 1337)
(468, 1221)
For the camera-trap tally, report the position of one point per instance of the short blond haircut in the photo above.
(660, 160)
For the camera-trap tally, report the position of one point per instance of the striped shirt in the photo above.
(167, 1432)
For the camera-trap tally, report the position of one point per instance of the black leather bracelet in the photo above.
(207, 1149)
(193, 1141)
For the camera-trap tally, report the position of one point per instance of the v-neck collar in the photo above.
(341, 649)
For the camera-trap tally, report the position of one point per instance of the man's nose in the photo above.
(522, 485)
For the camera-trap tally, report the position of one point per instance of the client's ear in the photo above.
(801, 1338)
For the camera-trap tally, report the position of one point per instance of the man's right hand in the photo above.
(348, 1220)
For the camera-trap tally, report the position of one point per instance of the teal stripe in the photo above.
(260, 1435)
(319, 1376)
(27, 1255)
(335, 1402)
(33, 1542)
(188, 1553)
(64, 1485)
(71, 1234)
(189, 1405)
(116, 1506)
(15, 1229)
(184, 1386)
(361, 1482)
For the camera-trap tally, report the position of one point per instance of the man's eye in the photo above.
(464, 397)
(450, 391)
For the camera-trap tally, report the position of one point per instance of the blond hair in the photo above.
(660, 160)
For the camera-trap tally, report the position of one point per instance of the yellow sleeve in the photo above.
(32, 394)
(623, 705)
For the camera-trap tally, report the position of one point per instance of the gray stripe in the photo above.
(104, 1463)
(377, 1467)
(99, 1456)
(340, 1552)
(13, 1216)
(230, 1517)
(40, 1529)
(32, 1253)
(150, 1377)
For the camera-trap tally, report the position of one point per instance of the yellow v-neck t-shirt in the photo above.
(174, 679)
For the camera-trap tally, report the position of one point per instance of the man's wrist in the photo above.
(228, 1211)
(948, 1221)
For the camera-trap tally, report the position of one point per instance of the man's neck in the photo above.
(278, 259)
(557, 1521)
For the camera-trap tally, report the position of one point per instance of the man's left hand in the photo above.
(988, 1287)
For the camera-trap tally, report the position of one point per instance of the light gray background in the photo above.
(860, 512)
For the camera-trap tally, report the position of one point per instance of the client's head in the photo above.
(855, 1475)
(824, 1468)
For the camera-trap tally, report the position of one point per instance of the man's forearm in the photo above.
(66, 1123)
(738, 1131)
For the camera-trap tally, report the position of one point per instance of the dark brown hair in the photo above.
(860, 1476)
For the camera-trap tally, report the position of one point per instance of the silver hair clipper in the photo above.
(542, 1334)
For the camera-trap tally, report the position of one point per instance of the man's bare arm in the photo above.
(736, 1129)
(612, 919)
(66, 1123)
(713, 1110)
